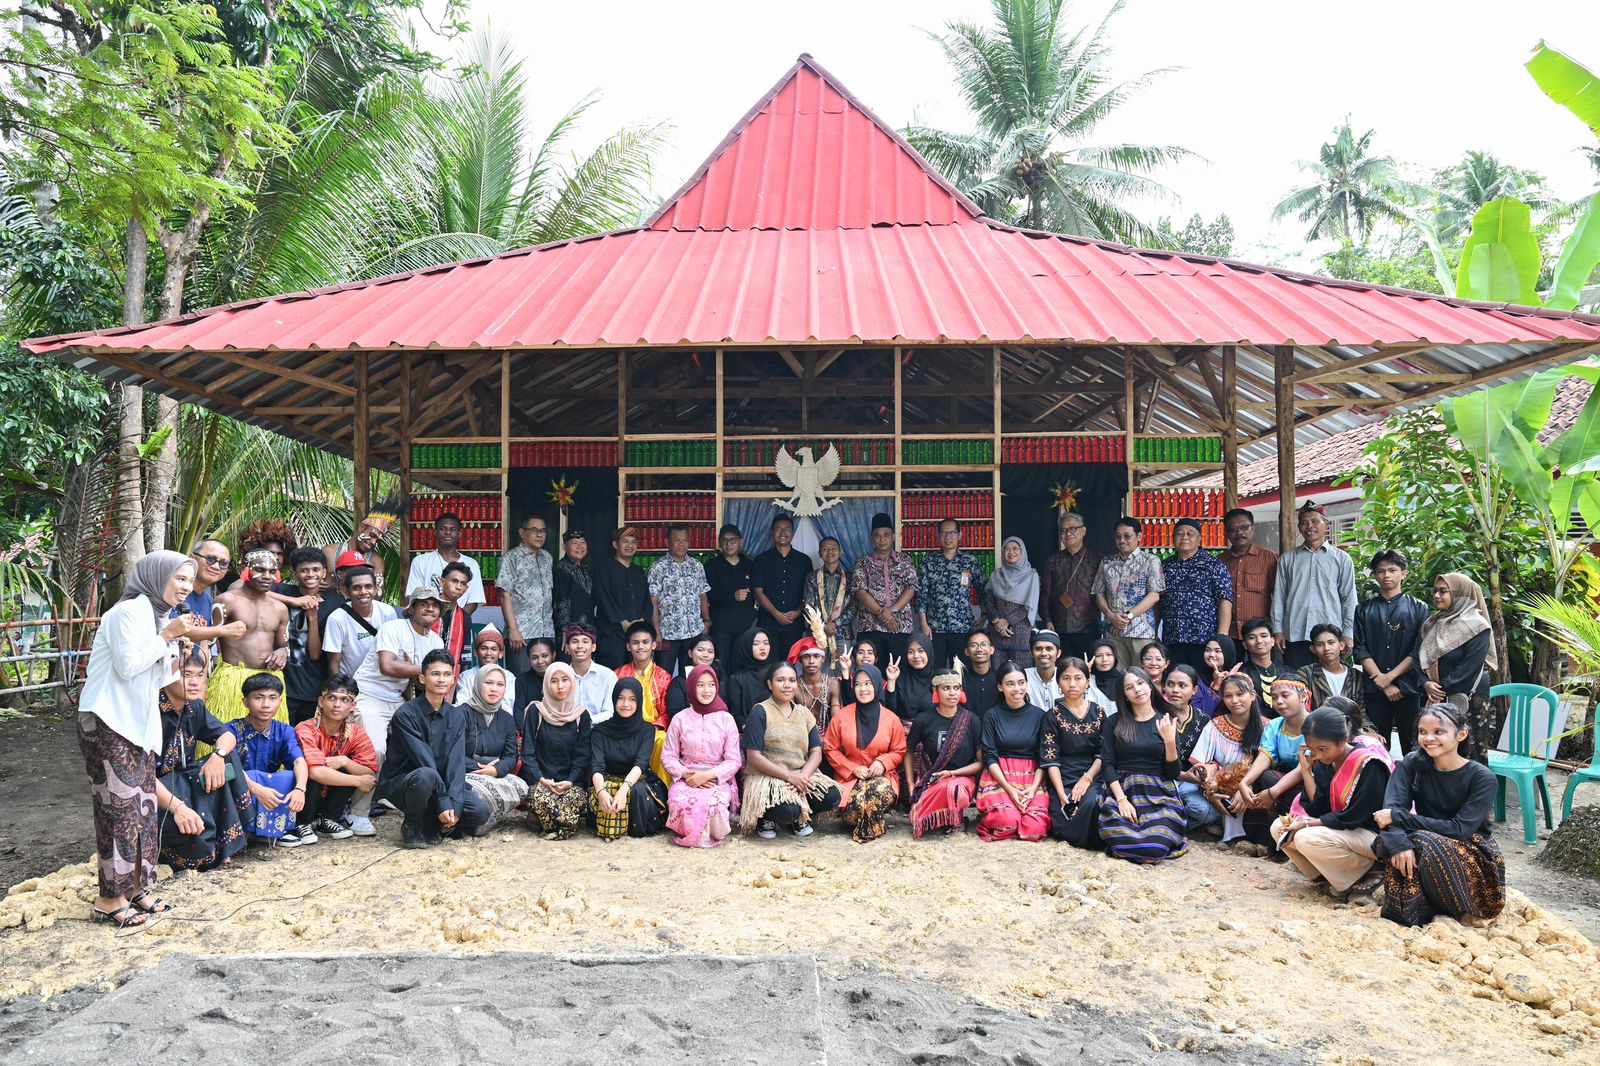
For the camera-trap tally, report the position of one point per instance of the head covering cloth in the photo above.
(1016, 582)
(150, 577)
(1447, 630)
(560, 712)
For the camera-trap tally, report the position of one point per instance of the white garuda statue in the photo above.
(807, 477)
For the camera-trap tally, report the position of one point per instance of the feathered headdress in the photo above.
(385, 513)
(265, 532)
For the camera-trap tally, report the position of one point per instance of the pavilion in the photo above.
(817, 281)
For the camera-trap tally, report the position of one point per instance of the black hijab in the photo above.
(867, 713)
(913, 690)
(1109, 682)
(744, 655)
(633, 726)
(620, 743)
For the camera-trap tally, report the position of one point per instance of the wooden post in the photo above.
(622, 432)
(1230, 432)
(998, 427)
(506, 536)
(405, 463)
(1283, 396)
(361, 449)
(721, 431)
(1128, 424)
(899, 446)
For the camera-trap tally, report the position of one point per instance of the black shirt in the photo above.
(729, 615)
(983, 690)
(420, 737)
(618, 756)
(1386, 632)
(1461, 669)
(621, 593)
(932, 729)
(1365, 798)
(572, 588)
(556, 752)
(1072, 744)
(1145, 754)
(1455, 804)
(303, 676)
(782, 577)
(495, 742)
(1263, 676)
(1013, 734)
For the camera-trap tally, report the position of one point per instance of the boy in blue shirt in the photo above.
(274, 765)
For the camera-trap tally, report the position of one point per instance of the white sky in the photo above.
(1262, 84)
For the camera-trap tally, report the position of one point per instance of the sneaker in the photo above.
(333, 830)
(411, 836)
(306, 834)
(803, 830)
(433, 832)
(291, 839)
(766, 830)
(362, 827)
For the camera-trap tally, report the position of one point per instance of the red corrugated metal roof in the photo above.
(814, 222)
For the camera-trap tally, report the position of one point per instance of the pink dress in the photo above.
(701, 742)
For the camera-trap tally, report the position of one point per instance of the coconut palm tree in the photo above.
(1038, 93)
(1353, 190)
(1463, 187)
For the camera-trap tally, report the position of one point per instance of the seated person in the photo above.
(942, 766)
(1012, 801)
(865, 745)
(424, 773)
(541, 652)
(627, 798)
(701, 651)
(1141, 816)
(1224, 753)
(1261, 663)
(492, 747)
(1333, 839)
(488, 649)
(1155, 659)
(210, 800)
(274, 766)
(783, 782)
(1074, 738)
(702, 757)
(555, 754)
(1273, 781)
(1179, 690)
(1327, 676)
(340, 759)
(1434, 828)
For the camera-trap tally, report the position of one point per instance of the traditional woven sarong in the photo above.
(610, 825)
(277, 822)
(941, 804)
(501, 795)
(225, 697)
(557, 815)
(1158, 833)
(998, 817)
(1458, 878)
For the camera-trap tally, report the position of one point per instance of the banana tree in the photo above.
(1500, 262)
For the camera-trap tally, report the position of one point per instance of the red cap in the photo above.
(349, 559)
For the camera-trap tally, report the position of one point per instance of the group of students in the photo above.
(1132, 756)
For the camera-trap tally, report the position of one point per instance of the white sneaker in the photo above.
(802, 830)
(766, 831)
(289, 840)
(362, 827)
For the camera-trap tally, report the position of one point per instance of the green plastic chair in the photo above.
(1587, 773)
(1526, 769)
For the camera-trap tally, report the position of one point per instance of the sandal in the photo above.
(156, 906)
(122, 917)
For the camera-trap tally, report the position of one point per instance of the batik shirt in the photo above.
(530, 578)
(885, 579)
(1126, 581)
(944, 591)
(1196, 587)
(678, 588)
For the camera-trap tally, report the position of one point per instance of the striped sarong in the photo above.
(1158, 833)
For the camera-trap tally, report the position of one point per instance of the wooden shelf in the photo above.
(477, 471)
(1174, 466)
(670, 470)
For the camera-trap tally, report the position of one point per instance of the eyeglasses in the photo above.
(541, 530)
(1072, 529)
(213, 561)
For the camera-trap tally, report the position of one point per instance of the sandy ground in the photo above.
(1212, 951)
(521, 1007)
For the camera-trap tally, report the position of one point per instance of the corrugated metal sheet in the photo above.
(814, 223)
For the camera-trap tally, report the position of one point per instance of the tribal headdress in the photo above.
(385, 513)
(267, 531)
(259, 560)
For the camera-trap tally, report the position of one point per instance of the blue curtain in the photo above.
(850, 520)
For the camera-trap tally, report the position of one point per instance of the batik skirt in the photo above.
(1157, 834)
(501, 795)
(557, 815)
(867, 809)
(998, 816)
(941, 804)
(1459, 878)
(644, 809)
(122, 782)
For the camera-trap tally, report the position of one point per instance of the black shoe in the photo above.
(412, 836)
(432, 833)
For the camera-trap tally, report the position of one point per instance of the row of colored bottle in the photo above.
(1178, 503)
(671, 507)
(1177, 450)
(926, 535)
(941, 505)
(656, 453)
(649, 559)
(577, 453)
(654, 538)
(949, 452)
(1064, 450)
(455, 456)
(758, 453)
(491, 593)
(985, 559)
(475, 507)
(473, 539)
(1158, 534)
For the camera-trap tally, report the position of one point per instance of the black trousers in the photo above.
(783, 637)
(947, 647)
(667, 655)
(789, 813)
(423, 793)
(326, 801)
(1077, 644)
(1297, 654)
(301, 711)
(725, 639)
(1386, 716)
(612, 649)
(1192, 654)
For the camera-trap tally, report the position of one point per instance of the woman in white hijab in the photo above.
(1011, 604)
(135, 653)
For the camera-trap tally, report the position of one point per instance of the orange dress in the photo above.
(844, 754)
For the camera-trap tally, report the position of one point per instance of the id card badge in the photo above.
(966, 579)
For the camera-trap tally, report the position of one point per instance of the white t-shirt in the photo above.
(1336, 682)
(401, 638)
(427, 568)
(346, 636)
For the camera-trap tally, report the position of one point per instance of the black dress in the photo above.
(616, 752)
(747, 684)
(1072, 744)
(222, 811)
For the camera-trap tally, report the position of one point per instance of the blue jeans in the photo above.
(1197, 810)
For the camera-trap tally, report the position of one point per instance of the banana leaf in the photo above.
(1500, 261)
(1579, 256)
(1567, 82)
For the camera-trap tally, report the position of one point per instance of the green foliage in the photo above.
(1395, 261)
(1464, 187)
(1352, 192)
(1500, 261)
(1198, 236)
(1574, 629)
(1038, 92)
